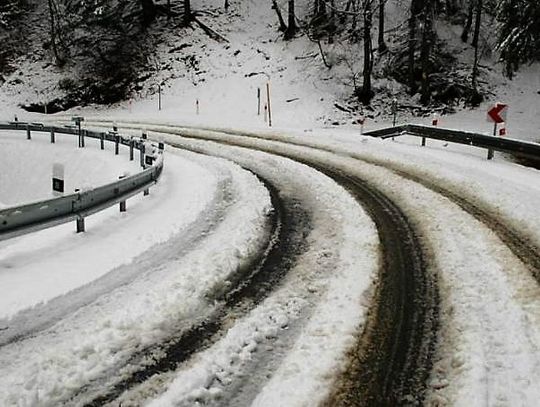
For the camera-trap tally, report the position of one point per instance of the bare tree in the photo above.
(477, 23)
(291, 26)
(381, 44)
(468, 22)
(425, 50)
(282, 25)
(366, 93)
(188, 15)
(475, 44)
(416, 7)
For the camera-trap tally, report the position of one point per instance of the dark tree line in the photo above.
(518, 32)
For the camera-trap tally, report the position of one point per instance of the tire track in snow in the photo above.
(520, 245)
(289, 227)
(392, 360)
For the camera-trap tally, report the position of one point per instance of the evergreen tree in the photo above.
(519, 35)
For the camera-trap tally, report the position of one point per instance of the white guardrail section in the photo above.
(19, 220)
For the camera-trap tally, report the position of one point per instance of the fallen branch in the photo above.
(210, 32)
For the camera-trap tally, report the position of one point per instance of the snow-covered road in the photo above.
(164, 304)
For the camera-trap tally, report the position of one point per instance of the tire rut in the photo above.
(392, 360)
(524, 250)
(290, 226)
(527, 252)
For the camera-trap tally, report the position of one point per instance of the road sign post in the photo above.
(497, 114)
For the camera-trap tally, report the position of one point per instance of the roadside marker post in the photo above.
(269, 106)
(258, 101)
(361, 120)
(159, 97)
(394, 111)
(116, 144)
(131, 147)
(58, 179)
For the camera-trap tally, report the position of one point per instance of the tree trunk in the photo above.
(332, 22)
(148, 12)
(53, 33)
(468, 22)
(412, 45)
(382, 45)
(319, 12)
(188, 16)
(291, 28)
(427, 38)
(282, 25)
(451, 7)
(475, 44)
(477, 24)
(366, 92)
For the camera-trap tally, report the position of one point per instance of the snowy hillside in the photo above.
(223, 77)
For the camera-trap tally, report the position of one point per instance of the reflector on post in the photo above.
(58, 179)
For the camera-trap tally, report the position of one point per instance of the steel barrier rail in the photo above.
(19, 220)
(505, 145)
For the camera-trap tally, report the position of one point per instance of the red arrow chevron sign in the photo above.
(497, 113)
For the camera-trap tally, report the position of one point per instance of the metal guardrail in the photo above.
(505, 145)
(16, 221)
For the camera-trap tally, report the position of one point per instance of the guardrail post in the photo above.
(52, 136)
(80, 225)
(82, 132)
(116, 144)
(122, 206)
(146, 192)
(102, 141)
(141, 151)
(28, 133)
(131, 142)
(423, 141)
(490, 154)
